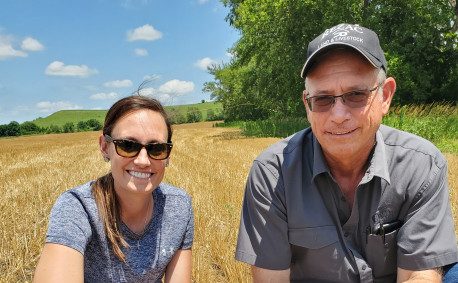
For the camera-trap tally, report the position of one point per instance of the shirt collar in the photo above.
(378, 165)
(319, 163)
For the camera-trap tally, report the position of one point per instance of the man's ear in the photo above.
(389, 88)
(304, 94)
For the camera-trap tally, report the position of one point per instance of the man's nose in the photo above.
(339, 111)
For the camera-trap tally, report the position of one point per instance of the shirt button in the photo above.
(346, 234)
(364, 267)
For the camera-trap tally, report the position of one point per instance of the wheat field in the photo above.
(211, 164)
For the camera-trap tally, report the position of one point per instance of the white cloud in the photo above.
(31, 44)
(118, 83)
(168, 91)
(152, 78)
(148, 91)
(177, 87)
(205, 63)
(6, 48)
(104, 96)
(146, 32)
(228, 54)
(202, 1)
(141, 52)
(57, 68)
(47, 106)
(7, 51)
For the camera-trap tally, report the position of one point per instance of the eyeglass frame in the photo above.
(309, 103)
(169, 146)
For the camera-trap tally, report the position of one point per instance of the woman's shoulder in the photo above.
(81, 192)
(169, 190)
(78, 196)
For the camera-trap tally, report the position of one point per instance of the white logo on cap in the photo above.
(340, 33)
(342, 30)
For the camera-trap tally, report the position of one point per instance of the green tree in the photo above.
(94, 124)
(81, 126)
(263, 78)
(13, 129)
(68, 127)
(193, 115)
(179, 119)
(3, 130)
(29, 128)
(420, 40)
(210, 115)
(54, 129)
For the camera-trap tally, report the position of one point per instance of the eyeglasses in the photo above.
(353, 99)
(127, 148)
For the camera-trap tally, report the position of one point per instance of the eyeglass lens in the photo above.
(353, 99)
(128, 148)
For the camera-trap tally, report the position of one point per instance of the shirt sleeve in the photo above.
(189, 234)
(69, 223)
(263, 232)
(427, 238)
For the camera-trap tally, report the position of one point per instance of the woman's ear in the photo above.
(103, 146)
(167, 161)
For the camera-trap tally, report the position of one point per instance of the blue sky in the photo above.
(86, 54)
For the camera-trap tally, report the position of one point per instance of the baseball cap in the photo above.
(362, 39)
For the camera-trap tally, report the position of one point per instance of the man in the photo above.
(347, 200)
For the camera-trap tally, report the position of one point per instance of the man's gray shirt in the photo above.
(295, 216)
(75, 222)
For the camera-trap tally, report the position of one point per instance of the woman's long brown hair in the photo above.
(103, 188)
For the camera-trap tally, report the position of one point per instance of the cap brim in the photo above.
(309, 63)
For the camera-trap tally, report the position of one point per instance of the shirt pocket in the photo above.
(315, 254)
(313, 237)
(381, 254)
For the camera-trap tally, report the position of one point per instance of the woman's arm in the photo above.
(179, 268)
(59, 263)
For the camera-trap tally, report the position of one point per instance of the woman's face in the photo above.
(140, 174)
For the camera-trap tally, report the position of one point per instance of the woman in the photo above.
(126, 226)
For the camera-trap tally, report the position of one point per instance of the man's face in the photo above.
(346, 133)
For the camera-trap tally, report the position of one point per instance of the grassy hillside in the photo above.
(61, 117)
(202, 107)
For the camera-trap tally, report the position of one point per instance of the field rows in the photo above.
(210, 163)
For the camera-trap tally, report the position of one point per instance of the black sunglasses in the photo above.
(353, 99)
(127, 148)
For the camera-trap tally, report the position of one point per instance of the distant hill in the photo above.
(64, 116)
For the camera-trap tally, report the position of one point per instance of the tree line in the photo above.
(193, 115)
(262, 80)
(14, 129)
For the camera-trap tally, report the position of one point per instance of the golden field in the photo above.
(210, 163)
